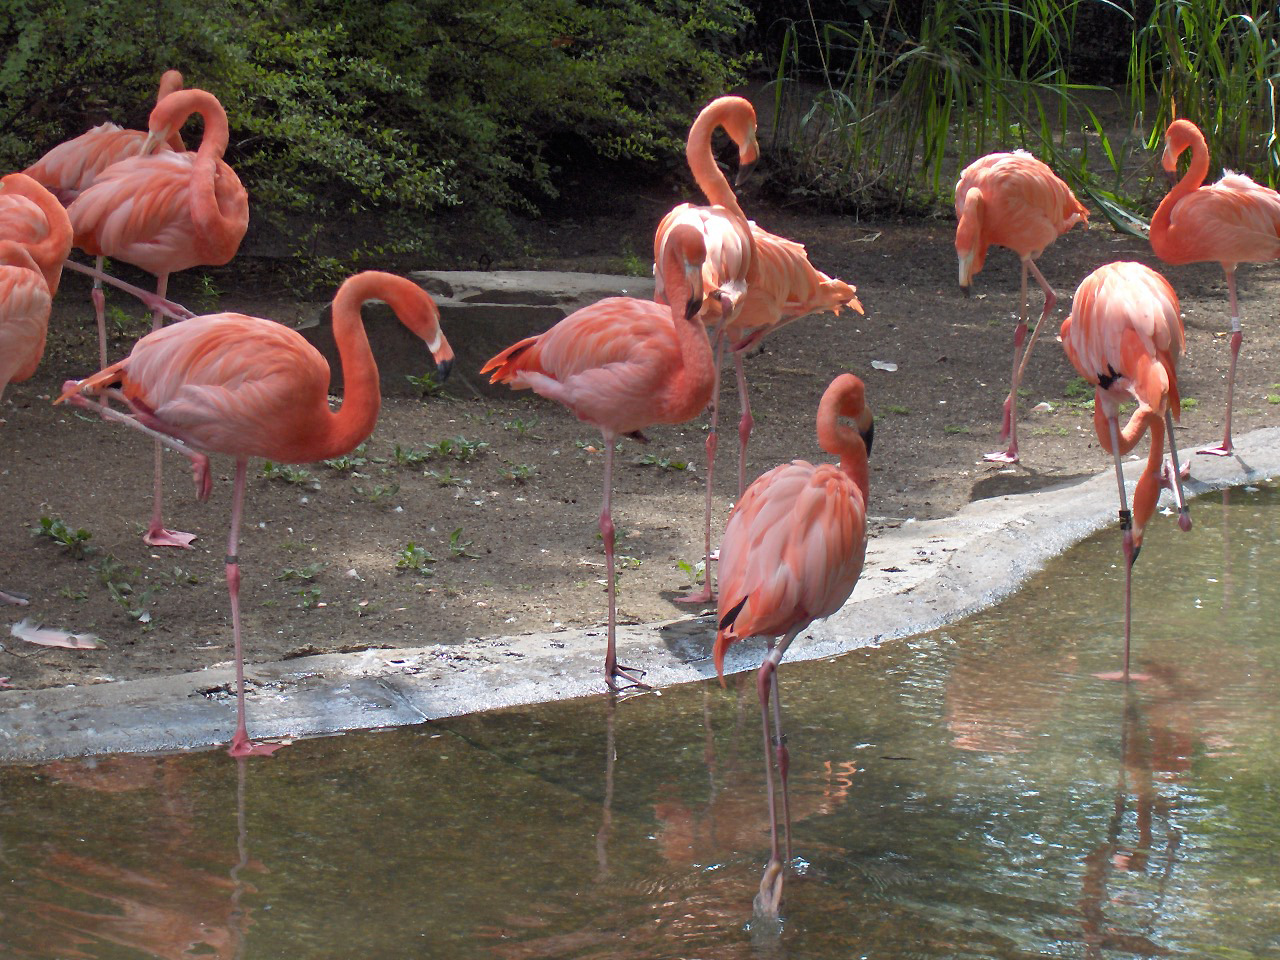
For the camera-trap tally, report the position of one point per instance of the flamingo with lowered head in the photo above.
(1232, 221)
(792, 552)
(248, 387)
(1013, 200)
(165, 212)
(73, 165)
(1124, 335)
(624, 364)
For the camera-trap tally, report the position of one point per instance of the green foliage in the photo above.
(459, 448)
(349, 461)
(75, 542)
(427, 385)
(287, 473)
(307, 573)
(459, 545)
(662, 463)
(415, 558)
(382, 116)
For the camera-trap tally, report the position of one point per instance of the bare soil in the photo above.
(509, 514)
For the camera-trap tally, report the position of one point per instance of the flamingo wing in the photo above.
(24, 319)
(72, 166)
(1232, 221)
(793, 548)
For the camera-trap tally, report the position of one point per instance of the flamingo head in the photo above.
(970, 248)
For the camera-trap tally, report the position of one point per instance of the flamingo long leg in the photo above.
(241, 745)
(1009, 423)
(157, 534)
(1184, 511)
(612, 668)
(1126, 525)
(769, 899)
(174, 311)
(707, 593)
(1225, 449)
(14, 599)
(100, 311)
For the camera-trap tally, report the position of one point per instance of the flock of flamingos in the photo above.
(794, 544)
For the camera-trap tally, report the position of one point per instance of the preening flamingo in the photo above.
(1232, 221)
(781, 285)
(624, 365)
(792, 551)
(1013, 200)
(71, 166)
(1124, 335)
(248, 387)
(165, 212)
(35, 238)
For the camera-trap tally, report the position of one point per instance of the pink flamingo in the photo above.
(791, 554)
(165, 212)
(624, 364)
(73, 165)
(781, 284)
(1124, 335)
(1232, 221)
(35, 237)
(1013, 200)
(248, 387)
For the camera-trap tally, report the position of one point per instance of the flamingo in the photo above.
(1124, 335)
(35, 237)
(781, 284)
(70, 167)
(1232, 221)
(792, 551)
(248, 387)
(1013, 200)
(165, 212)
(623, 365)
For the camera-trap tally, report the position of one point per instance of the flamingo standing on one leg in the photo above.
(165, 212)
(248, 387)
(72, 166)
(781, 284)
(624, 364)
(1013, 200)
(1232, 221)
(791, 554)
(1124, 335)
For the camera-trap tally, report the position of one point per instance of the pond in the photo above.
(972, 792)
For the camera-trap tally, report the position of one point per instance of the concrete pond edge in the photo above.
(918, 576)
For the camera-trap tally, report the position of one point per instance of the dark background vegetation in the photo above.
(367, 131)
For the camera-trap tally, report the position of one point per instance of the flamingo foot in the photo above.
(160, 537)
(242, 746)
(705, 595)
(768, 902)
(631, 674)
(1224, 449)
(1002, 456)
(17, 599)
(1119, 675)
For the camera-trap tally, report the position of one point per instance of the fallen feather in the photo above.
(884, 365)
(51, 637)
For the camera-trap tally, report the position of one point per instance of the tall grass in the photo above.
(898, 111)
(1216, 63)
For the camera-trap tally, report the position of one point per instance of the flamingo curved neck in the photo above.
(843, 441)
(1190, 182)
(690, 389)
(702, 163)
(55, 246)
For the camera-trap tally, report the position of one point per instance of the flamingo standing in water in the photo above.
(781, 284)
(248, 387)
(35, 237)
(73, 165)
(1232, 221)
(1124, 335)
(792, 551)
(1013, 200)
(165, 212)
(624, 364)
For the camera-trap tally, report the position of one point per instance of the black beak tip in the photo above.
(743, 174)
(965, 291)
(692, 307)
(443, 368)
(868, 436)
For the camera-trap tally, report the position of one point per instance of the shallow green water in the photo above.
(975, 792)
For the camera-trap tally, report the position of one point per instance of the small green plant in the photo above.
(415, 558)
(1190, 403)
(446, 478)
(72, 594)
(517, 472)
(378, 492)
(180, 576)
(662, 463)
(458, 545)
(307, 573)
(1078, 391)
(1049, 431)
(956, 428)
(459, 448)
(122, 323)
(1273, 398)
(287, 473)
(349, 461)
(74, 541)
(136, 604)
(309, 597)
(408, 456)
(428, 385)
(208, 293)
(520, 426)
(694, 571)
(898, 409)
(634, 265)
(626, 562)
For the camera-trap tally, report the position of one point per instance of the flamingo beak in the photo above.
(694, 306)
(868, 435)
(443, 367)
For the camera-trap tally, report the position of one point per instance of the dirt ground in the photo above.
(507, 508)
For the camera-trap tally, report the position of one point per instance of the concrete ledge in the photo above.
(948, 568)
